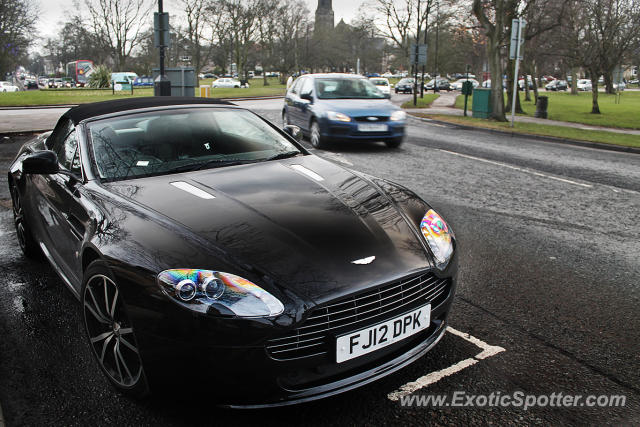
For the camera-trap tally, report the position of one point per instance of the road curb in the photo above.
(39, 107)
(587, 144)
(21, 133)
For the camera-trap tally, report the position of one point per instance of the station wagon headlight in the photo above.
(436, 231)
(338, 117)
(398, 116)
(200, 289)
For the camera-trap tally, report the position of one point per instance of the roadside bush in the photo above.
(100, 78)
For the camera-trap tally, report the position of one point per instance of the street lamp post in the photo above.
(161, 85)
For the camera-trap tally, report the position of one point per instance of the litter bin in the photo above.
(541, 107)
(481, 106)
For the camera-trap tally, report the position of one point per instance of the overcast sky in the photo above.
(53, 11)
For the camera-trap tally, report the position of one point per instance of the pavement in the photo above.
(444, 105)
(549, 273)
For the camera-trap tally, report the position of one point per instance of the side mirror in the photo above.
(41, 163)
(294, 132)
(307, 96)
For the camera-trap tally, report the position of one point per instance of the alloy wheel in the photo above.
(315, 135)
(110, 331)
(18, 218)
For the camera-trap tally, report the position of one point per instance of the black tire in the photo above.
(395, 142)
(316, 138)
(27, 243)
(110, 333)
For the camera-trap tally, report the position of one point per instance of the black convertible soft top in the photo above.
(85, 111)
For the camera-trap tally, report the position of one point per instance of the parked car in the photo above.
(442, 84)
(196, 234)
(228, 82)
(143, 81)
(584, 85)
(209, 76)
(557, 85)
(68, 82)
(382, 84)
(338, 107)
(405, 86)
(30, 84)
(634, 82)
(8, 87)
(457, 85)
(387, 75)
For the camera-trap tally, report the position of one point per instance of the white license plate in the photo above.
(372, 127)
(383, 334)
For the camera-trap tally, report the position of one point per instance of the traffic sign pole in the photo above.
(521, 23)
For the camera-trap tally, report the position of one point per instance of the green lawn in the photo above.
(83, 96)
(63, 97)
(577, 108)
(545, 130)
(422, 102)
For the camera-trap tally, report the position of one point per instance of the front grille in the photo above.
(366, 119)
(358, 311)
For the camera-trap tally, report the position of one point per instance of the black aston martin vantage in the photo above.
(208, 246)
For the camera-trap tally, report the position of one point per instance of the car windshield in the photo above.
(347, 88)
(182, 140)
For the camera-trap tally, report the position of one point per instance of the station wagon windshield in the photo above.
(173, 141)
(336, 88)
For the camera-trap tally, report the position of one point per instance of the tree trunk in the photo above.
(574, 82)
(608, 83)
(595, 109)
(534, 81)
(495, 67)
(527, 71)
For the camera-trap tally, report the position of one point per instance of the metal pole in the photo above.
(162, 85)
(435, 77)
(415, 66)
(515, 79)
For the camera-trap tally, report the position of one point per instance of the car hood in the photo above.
(357, 107)
(302, 221)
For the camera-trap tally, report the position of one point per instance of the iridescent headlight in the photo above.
(436, 231)
(200, 289)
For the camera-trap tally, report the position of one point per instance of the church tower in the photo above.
(324, 16)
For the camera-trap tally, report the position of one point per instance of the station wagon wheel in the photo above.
(110, 332)
(316, 138)
(25, 239)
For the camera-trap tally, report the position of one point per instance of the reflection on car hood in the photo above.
(357, 107)
(281, 218)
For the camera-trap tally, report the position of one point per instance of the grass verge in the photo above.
(577, 108)
(422, 102)
(543, 130)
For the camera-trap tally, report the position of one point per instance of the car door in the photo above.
(304, 105)
(65, 216)
(292, 100)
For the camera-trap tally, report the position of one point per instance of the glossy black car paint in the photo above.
(302, 109)
(293, 235)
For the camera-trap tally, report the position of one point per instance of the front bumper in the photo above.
(229, 360)
(349, 131)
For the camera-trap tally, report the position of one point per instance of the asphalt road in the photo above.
(549, 271)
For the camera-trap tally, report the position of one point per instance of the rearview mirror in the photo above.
(41, 163)
(294, 132)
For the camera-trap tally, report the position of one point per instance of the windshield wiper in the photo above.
(284, 155)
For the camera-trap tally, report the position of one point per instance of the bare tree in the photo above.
(118, 25)
(17, 23)
(398, 21)
(268, 22)
(197, 17)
